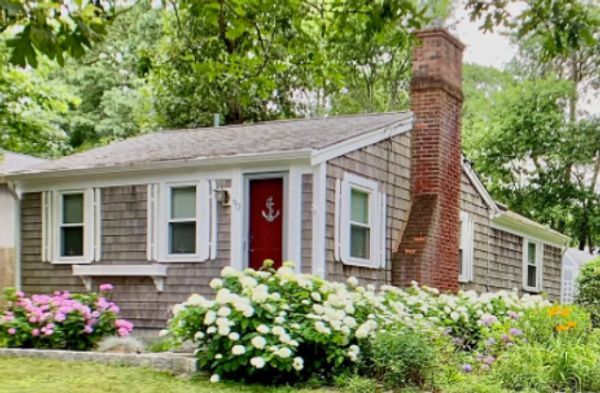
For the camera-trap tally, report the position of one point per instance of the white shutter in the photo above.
(97, 227)
(466, 245)
(539, 261)
(213, 220)
(337, 223)
(47, 226)
(203, 222)
(383, 229)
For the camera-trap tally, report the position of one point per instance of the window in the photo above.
(179, 223)
(182, 221)
(71, 226)
(465, 251)
(360, 222)
(360, 228)
(532, 265)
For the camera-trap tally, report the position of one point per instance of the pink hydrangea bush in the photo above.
(60, 321)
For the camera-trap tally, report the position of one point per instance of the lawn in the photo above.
(51, 376)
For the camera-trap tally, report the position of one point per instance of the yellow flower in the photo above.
(560, 311)
(553, 311)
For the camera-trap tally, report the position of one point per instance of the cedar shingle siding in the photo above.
(123, 242)
(498, 255)
(387, 162)
(307, 222)
(38, 276)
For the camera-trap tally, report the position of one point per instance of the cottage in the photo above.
(9, 212)
(385, 197)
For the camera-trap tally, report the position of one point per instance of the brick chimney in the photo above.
(428, 251)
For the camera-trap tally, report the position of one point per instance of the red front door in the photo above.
(265, 235)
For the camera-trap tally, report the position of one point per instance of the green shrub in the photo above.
(560, 366)
(400, 357)
(60, 321)
(588, 295)
(524, 367)
(280, 326)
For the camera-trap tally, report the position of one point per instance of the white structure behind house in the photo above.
(9, 210)
(573, 261)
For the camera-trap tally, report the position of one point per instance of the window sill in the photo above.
(183, 259)
(366, 263)
(72, 261)
(156, 272)
(532, 290)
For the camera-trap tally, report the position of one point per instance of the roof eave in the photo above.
(303, 154)
(512, 225)
(494, 211)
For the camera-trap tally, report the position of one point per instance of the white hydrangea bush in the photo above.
(269, 325)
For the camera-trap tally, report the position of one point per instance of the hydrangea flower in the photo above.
(238, 350)
(257, 362)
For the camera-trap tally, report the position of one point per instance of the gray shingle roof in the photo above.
(17, 162)
(247, 139)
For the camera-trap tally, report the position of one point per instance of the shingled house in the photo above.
(385, 197)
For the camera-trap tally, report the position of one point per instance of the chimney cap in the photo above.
(432, 31)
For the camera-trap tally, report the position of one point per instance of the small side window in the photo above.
(532, 265)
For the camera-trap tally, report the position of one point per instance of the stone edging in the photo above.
(167, 361)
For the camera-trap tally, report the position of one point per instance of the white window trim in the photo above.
(539, 263)
(203, 228)
(467, 247)
(377, 220)
(52, 222)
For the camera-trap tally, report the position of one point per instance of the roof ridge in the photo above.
(290, 120)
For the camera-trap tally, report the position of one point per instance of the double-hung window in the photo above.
(183, 230)
(360, 222)
(533, 256)
(183, 221)
(71, 226)
(465, 251)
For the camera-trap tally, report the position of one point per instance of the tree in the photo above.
(111, 81)
(561, 25)
(522, 143)
(52, 27)
(32, 110)
(259, 60)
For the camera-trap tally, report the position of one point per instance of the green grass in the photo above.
(20, 375)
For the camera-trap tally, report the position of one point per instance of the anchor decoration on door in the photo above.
(270, 215)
